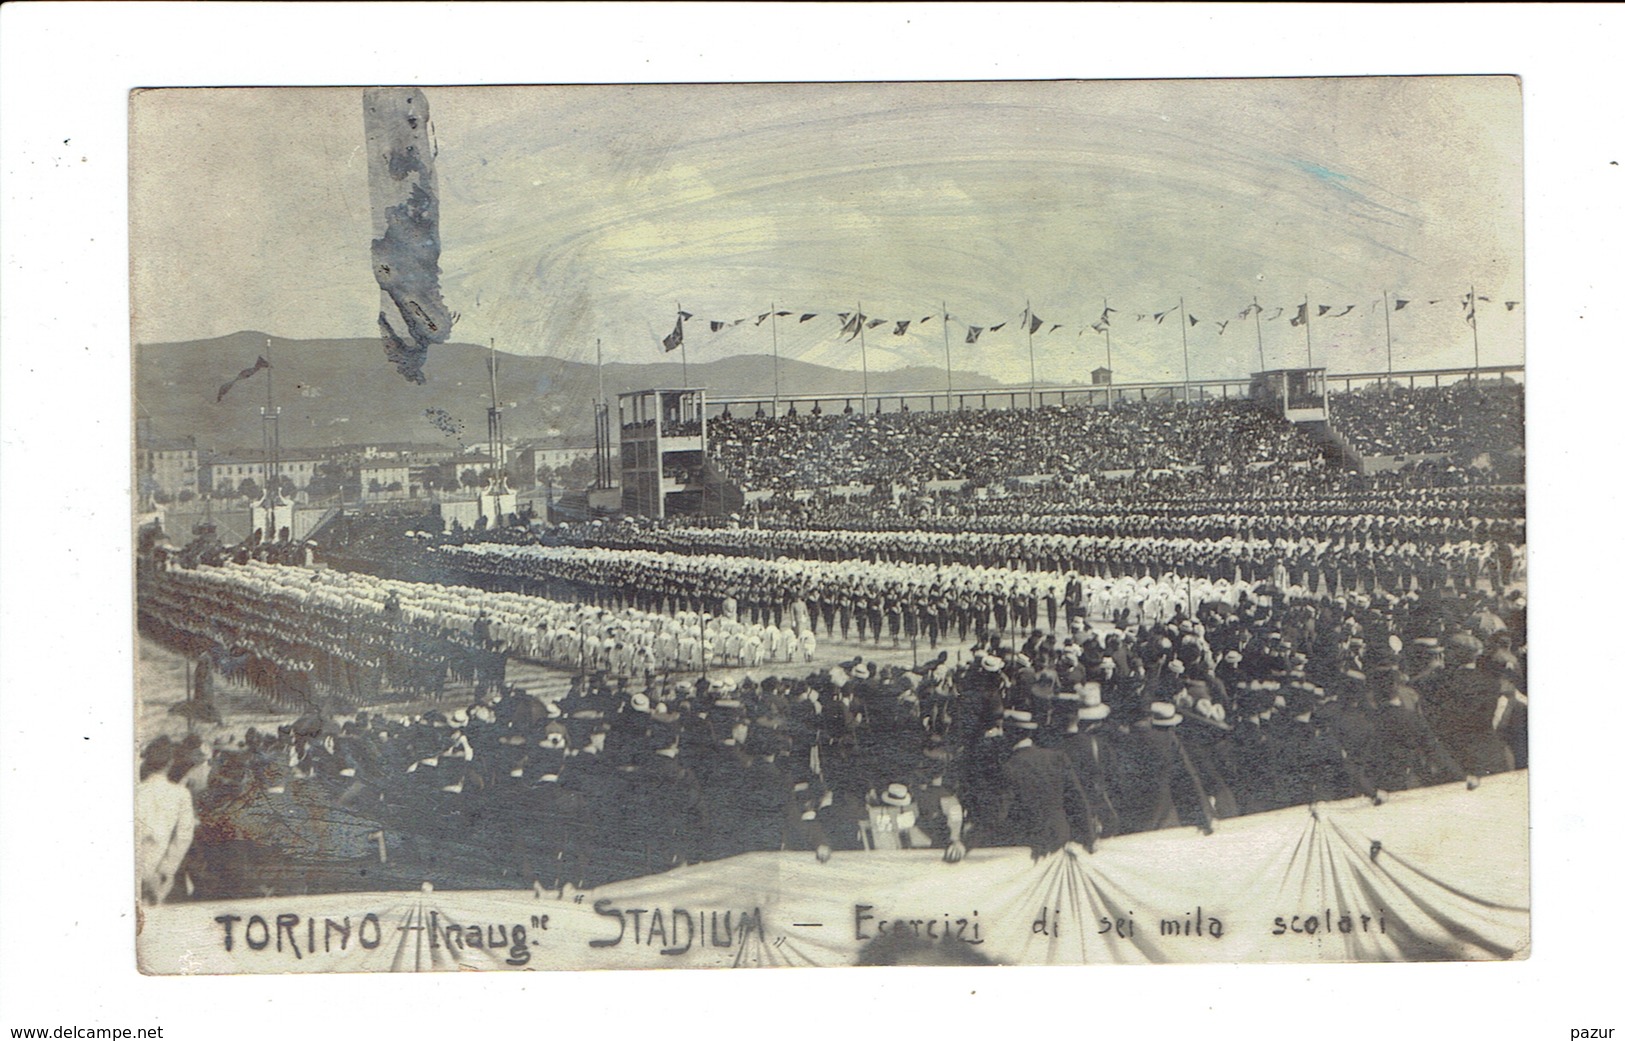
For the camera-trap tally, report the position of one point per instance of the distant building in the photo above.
(226, 473)
(387, 480)
(528, 465)
(167, 466)
(1101, 377)
(414, 453)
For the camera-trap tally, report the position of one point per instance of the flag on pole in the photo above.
(852, 325)
(1106, 315)
(675, 340)
(1100, 326)
(1033, 322)
(259, 363)
(1302, 317)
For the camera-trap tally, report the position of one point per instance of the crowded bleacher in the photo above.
(1470, 416)
(812, 451)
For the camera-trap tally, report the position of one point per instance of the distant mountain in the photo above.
(344, 391)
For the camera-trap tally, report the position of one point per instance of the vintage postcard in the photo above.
(825, 524)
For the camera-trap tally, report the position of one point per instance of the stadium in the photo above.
(835, 628)
(919, 638)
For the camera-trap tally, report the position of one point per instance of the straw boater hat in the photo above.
(640, 702)
(1163, 714)
(860, 671)
(993, 663)
(898, 795)
(1092, 710)
(1020, 719)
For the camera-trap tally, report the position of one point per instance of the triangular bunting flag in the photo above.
(902, 327)
(972, 333)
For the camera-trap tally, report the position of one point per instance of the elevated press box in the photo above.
(662, 451)
(1297, 394)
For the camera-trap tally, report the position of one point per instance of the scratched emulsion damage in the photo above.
(406, 227)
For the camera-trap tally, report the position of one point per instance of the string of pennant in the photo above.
(853, 323)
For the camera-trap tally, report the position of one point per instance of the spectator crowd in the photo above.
(809, 451)
(1467, 417)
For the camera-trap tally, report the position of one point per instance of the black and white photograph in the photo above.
(1014, 518)
(821, 524)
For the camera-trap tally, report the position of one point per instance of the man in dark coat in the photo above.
(1460, 701)
(1162, 772)
(1039, 783)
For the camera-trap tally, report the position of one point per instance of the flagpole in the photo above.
(863, 347)
(1106, 306)
(773, 316)
(1185, 349)
(682, 342)
(1032, 366)
(1258, 327)
(947, 355)
(1388, 333)
(1472, 320)
(265, 443)
(1308, 344)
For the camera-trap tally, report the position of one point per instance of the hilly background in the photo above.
(344, 391)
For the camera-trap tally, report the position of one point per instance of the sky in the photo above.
(577, 213)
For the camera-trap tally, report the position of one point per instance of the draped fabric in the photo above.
(1435, 874)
